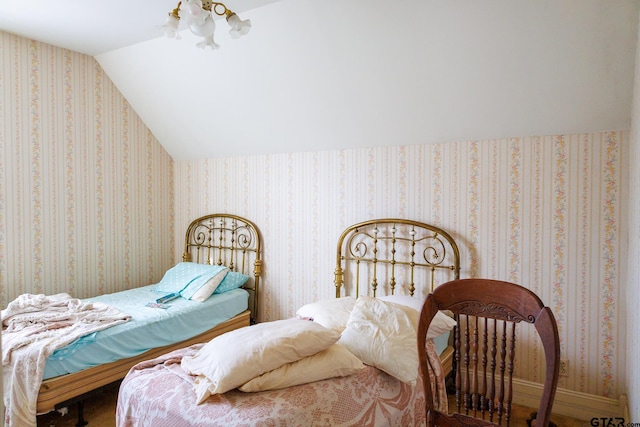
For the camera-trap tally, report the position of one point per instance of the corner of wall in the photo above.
(632, 387)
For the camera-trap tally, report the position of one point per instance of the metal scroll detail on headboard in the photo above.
(391, 254)
(230, 240)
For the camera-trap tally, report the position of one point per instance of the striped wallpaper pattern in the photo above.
(91, 203)
(543, 211)
(86, 191)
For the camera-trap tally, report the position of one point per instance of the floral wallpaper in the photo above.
(86, 191)
(543, 211)
(91, 203)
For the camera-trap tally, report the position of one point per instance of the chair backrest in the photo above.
(487, 312)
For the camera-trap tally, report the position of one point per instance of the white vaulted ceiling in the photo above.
(319, 75)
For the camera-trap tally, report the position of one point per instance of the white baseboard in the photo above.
(571, 403)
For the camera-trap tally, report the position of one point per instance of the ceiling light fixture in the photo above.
(198, 15)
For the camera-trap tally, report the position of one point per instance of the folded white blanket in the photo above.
(33, 327)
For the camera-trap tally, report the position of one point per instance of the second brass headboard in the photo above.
(388, 255)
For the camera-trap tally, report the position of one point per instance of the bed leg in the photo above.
(81, 420)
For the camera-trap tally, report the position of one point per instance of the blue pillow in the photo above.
(187, 277)
(233, 280)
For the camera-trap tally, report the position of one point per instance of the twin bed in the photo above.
(384, 270)
(99, 359)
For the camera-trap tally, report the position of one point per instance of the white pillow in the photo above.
(233, 358)
(440, 324)
(336, 361)
(210, 286)
(408, 300)
(384, 334)
(331, 313)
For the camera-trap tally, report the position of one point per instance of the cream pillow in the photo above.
(210, 286)
(440, 324)
(384, 334)
(233, 358)
(408, 300)
(336, 361)
(331, 313)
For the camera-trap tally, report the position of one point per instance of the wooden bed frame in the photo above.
(220, 239)
(396, 256)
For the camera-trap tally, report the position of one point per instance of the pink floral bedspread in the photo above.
(159, 393)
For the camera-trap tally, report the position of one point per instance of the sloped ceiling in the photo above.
(327, 75)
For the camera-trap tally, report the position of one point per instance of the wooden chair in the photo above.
(487, 312)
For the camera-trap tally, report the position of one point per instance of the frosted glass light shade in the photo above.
(194, 12)
(201, 23)
(238, 26)
(204, 29)
(208, 42)
(170, 27)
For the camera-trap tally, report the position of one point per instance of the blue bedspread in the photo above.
(148, 327)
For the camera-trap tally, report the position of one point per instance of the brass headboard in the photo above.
(230, 240)
(392, 254)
